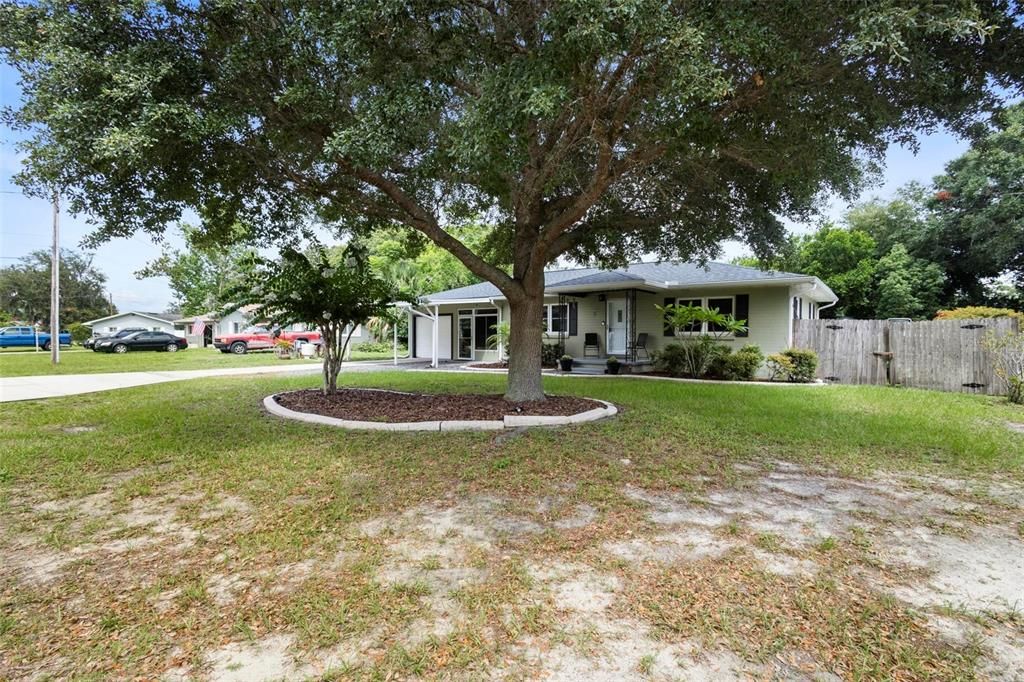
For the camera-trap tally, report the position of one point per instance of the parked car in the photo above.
(142, 341)
(11, 337)
(91, 342)
(260, 338)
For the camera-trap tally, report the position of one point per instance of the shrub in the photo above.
(689, 358)
(1008, 362)
(779, 366)
(805, 364)
(743, 364)
(79, 332)
(549, 354)
(977, 311)
(373, 347)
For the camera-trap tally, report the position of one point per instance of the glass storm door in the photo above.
(617, 326)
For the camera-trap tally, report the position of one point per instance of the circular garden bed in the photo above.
(362, 408)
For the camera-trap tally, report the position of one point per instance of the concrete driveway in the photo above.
(37, 387)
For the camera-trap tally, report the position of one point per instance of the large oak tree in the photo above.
(592, 128)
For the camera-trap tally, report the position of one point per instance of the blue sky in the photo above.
(25, 223)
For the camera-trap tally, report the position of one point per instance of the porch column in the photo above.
(437, 323)
(395, 347)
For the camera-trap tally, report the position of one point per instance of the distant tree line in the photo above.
(25, 289)
(956, 242)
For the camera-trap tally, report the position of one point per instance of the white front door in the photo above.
(616, 327)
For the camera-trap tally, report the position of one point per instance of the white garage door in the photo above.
(425, 337)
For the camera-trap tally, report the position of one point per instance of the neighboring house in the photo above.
(614, 307)
(232, 323)
(112, 324)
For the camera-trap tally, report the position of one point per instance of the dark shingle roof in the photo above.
(674, 274)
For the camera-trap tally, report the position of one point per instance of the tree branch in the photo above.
(422, 220)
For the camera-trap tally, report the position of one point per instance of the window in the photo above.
(723, 304)
(798, 308)
(111, 329)
(475, 327)
(693, 327)
(235, 327)
(555, 319)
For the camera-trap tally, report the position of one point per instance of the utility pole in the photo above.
(55, 285)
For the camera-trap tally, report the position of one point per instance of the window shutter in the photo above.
(572, 319)
(743, 312)
(669, 329)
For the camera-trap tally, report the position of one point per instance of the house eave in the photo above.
(130, 312)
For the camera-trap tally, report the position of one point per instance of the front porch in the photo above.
(597, 365)
(596, 325)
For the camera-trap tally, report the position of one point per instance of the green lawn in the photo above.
(303, 492)
(13, 364)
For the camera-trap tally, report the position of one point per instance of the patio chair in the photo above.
(591, 342)
(640, 345)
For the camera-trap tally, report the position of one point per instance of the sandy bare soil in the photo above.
(661, 587)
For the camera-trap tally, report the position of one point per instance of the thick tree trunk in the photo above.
(524, 348)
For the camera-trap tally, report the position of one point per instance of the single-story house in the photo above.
(594, 313)
(157, 322)
(235, 322)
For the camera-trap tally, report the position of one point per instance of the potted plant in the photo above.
(612, 364)
(565, 362)
(283, 348)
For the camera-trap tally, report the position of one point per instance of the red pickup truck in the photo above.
(260, 338)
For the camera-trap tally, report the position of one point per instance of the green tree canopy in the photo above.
(25, 289)
(845, 260)
(907, 286)
(201, 274)
(418, 266)
(979, 212)
(588, 128)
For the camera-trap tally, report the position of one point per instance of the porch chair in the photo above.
(590, 342)
(640, 344)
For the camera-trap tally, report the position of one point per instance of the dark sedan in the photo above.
(142, 341)
(91, 342)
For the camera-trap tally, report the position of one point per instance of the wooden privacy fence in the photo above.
(945, 355)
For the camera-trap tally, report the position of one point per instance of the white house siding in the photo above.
(119, 322)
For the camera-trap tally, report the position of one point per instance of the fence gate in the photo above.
(945, 355)
(849, 351)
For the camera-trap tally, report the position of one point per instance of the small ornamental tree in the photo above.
(310, 288)
(707, 327)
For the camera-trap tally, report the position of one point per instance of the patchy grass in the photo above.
(185, 519)
(16, 364)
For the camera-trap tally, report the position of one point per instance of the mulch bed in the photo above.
(393, 406)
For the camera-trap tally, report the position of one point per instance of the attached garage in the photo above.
(423, 337)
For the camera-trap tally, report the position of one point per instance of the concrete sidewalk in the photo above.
(37, 387)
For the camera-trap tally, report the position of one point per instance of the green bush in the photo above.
(372, 347)
(977, 311)
(804, 364)
(79, 332)
(741, 365)
(549, 354)
(696, 359)
(779, 366)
